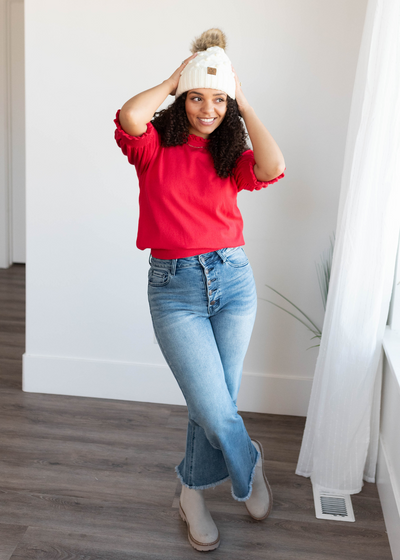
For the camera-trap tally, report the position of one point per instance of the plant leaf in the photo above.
(295, 306)
(317, 332)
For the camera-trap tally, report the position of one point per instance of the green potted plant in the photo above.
(323, 268)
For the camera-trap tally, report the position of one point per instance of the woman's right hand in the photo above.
(174, 79)
(140, 109)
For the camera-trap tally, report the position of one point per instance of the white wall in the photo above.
(388, 468)
(88, 326)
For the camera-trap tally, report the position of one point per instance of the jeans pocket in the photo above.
(237, 258)
(158, 277)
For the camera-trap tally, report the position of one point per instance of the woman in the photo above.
(191, 160)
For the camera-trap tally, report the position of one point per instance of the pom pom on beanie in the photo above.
(211, 68)
(212, 38)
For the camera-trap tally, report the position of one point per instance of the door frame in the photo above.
(5, 139)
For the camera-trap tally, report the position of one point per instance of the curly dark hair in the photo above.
(227, 142)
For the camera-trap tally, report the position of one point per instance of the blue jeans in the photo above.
(203, 310)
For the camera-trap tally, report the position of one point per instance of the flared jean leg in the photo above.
(198, 446)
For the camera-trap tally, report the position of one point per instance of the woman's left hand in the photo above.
(269, 162)
(242, 102)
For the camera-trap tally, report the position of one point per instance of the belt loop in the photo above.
(150, 258)
(173, 266)
(221, 253)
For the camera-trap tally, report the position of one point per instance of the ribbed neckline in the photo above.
(197, 141)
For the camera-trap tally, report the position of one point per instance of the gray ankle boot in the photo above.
(203, 534)
(259, 505)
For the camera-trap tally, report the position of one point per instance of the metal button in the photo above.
(210, 292)
(212, 303)
(209, 282)
(206, 271)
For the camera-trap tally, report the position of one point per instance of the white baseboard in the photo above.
(267, 393)
(390, 499)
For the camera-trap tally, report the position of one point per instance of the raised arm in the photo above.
(269, 158)
(139, 110)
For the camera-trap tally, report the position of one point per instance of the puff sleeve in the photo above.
(244, 174)
(138, 149)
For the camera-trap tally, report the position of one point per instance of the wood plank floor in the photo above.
(94, 479)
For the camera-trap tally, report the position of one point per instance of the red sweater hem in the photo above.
(182, 253)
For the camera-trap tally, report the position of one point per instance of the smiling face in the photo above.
(205, 110)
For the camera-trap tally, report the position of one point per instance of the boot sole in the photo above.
(202, 547)
(267, 485)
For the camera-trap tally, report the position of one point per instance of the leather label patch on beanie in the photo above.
(211, 70)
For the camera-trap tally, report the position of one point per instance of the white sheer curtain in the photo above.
(339, 445)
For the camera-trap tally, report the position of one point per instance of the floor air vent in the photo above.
(337, 507)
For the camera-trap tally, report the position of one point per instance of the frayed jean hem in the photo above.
(204, 486)
(251, 482)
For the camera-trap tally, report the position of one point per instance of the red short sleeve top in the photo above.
(185, 209)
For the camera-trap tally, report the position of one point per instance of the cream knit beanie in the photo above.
(211, 68)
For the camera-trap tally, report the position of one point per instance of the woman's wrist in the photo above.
(170, 85)
(245, 109)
